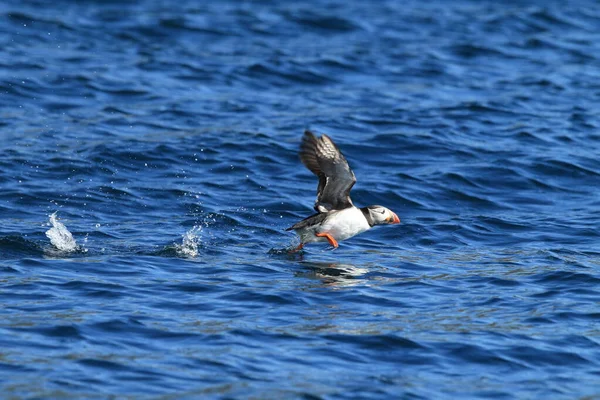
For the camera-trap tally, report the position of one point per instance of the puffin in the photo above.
(337, 218)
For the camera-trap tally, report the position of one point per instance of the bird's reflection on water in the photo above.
(332, 273)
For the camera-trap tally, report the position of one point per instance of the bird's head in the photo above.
(381, 215)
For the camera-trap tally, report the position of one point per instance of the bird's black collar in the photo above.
(367, 214)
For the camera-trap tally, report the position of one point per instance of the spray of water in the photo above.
(189, 244)
(60, 236)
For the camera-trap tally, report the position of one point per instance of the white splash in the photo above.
(60, 236)
(189, 244)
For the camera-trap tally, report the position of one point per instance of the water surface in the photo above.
(165, 138)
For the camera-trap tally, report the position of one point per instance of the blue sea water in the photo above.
(164, 135)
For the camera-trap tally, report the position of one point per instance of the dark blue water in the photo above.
(165, 136)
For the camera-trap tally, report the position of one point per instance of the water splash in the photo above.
(60, 236)
(189, 244)
(291, 249)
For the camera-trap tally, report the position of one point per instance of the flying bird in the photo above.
(337, 218)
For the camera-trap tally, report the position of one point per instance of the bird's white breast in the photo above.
(345, 223)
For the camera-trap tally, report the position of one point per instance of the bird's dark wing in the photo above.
(314, 219)
(324, 159)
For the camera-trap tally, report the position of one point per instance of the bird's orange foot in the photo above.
(297, 249)
(329, 238)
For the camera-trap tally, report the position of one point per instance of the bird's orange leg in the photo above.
(297, 249)
(330, 239)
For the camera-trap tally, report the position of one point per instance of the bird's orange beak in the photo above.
(393, 219)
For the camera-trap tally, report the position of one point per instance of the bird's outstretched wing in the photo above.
(324, 159)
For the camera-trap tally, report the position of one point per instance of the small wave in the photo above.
(60, 236)
(283, 74)
(18, 246)
(317, 21)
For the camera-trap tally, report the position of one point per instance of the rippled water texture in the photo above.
(164, 136)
